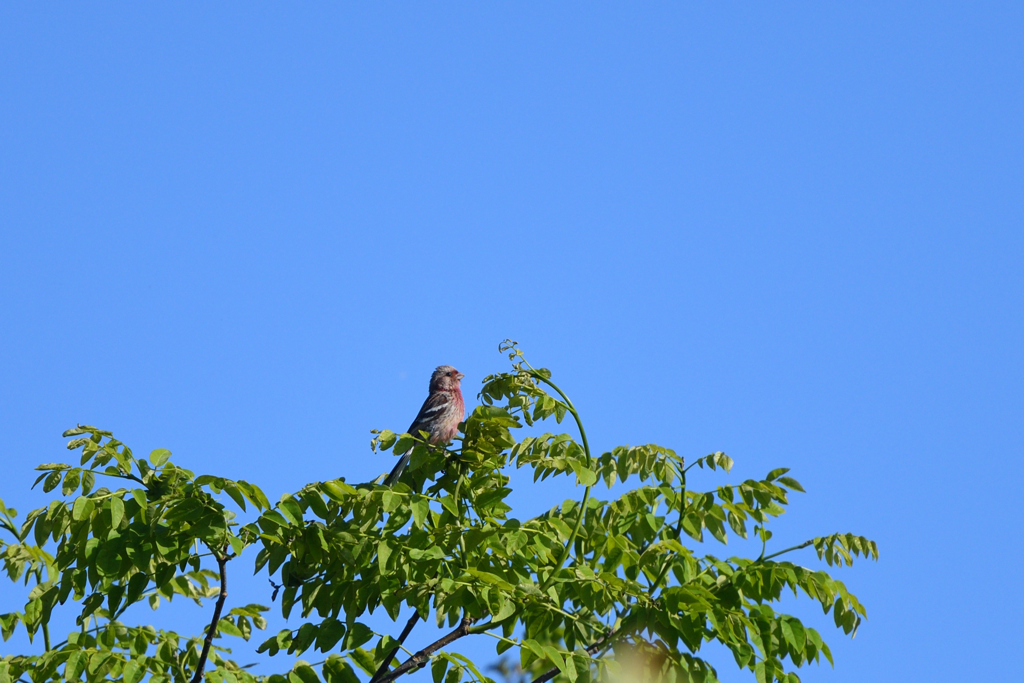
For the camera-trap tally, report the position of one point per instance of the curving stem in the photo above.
(586, 493)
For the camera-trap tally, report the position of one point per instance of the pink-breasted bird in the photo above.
(440, 415)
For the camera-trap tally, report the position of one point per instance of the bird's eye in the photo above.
(449, 374)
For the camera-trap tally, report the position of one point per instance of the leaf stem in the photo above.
(787, 550)
(120, 475)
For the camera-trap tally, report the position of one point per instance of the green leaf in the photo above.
(508, 608)
(71, 481)
(791, 483)
(74, 666)
(384, 550)
(131, 672)
(274, 517)
(88, 481)
(793, 631)
(449, 504)
(358, 634)
(469, 665)
(227, 626)
(82, 509)
(492, 579)
(291, 509)
(330, 632)
(586, 476)
(364, 660)
(337, 490)
(236, 495)
(337, 670)
(185, 510)
(536, 648)
(404, 444)
(116, 512)
(8, 622)
(555, 657)
(386, 439)
(570, 670)
(237, 546)
(828, 654)
(136, 585)
(159, 456)
(420, 508)
(438, 666)
(391, 501)
(303, 673)
(52, 481)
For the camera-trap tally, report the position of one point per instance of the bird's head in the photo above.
(445, 378)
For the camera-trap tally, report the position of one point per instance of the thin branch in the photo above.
(593, 649)
(222, 560)
(401, 641)
(420, 658)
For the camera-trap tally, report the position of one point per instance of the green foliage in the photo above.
(580, 591)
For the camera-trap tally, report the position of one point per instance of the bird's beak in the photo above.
(460, 376)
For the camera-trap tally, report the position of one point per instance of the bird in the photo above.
(439, 416)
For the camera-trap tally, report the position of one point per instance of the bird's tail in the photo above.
(396, 473)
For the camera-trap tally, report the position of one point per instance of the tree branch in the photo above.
(401, 641)
(222, 560)
(421, 657)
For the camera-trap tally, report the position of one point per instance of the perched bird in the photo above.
(440, 415)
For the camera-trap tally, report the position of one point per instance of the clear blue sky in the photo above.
(792, 233)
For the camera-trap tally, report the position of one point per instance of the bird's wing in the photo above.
(432, 409)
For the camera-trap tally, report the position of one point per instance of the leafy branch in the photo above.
(574, 590)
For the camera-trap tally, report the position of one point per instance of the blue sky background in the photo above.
(793, 233)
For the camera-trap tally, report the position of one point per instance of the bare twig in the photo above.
(413, 620)
(222, 560)
(421, 657)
